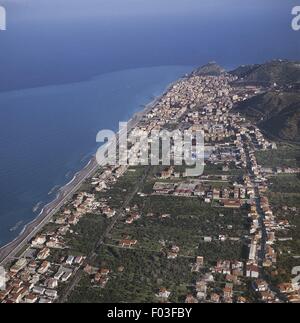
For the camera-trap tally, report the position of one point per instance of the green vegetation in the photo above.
(285, 198)
(212, 69)
(197, 218)
(285, 191)
(275, 112)
(217, 169)
(286, 155)
(146, 267)
(144, 273)
(276, 71)
(288, 183)
(87, 233)
(120, 190)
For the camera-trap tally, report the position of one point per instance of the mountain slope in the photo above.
(281, 72)
(277, 112)
(210, 69)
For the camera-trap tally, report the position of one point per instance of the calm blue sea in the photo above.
(49, 133)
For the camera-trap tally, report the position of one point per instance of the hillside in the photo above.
(276, 112)
(210, 69)
(281, 72)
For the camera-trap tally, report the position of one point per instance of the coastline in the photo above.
(65, 192)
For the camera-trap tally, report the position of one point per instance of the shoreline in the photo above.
(66, 191)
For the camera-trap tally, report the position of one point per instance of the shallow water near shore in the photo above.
(49, 133)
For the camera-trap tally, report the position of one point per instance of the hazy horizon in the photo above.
(52, 42)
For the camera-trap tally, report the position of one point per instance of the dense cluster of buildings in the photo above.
(35, 276)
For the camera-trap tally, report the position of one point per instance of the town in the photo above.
(154, 234)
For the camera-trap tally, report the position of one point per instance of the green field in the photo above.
(144, 273)
(146, 267)
(285, 190)
(285, 156)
